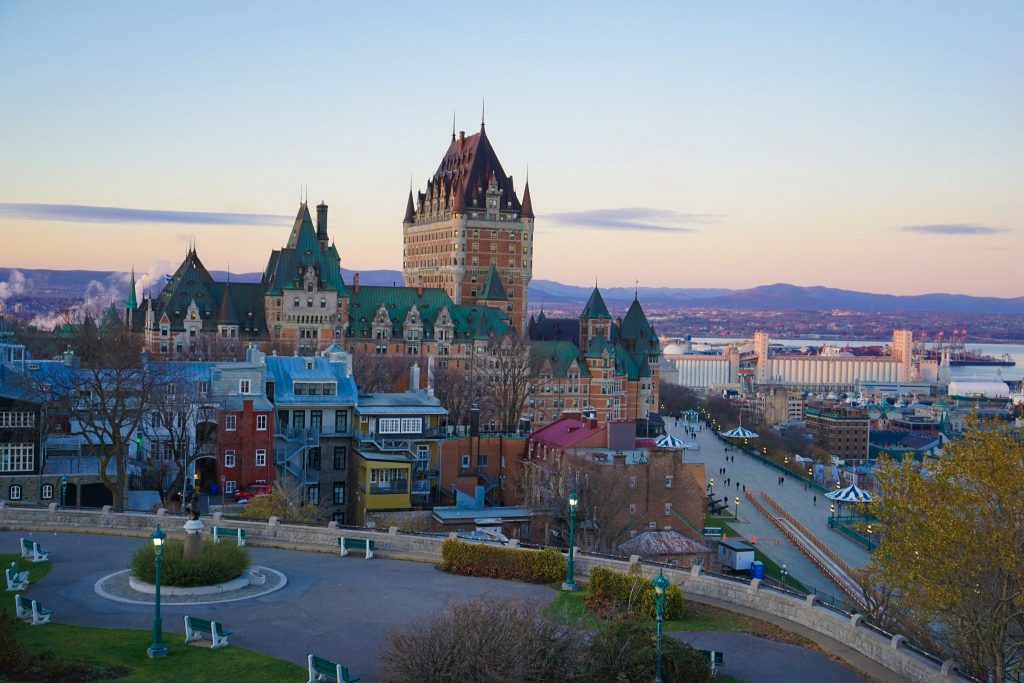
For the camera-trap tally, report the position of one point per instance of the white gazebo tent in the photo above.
(740, 432)
(669, 441)
(850, 494)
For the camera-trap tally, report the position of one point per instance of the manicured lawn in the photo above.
(36, 570)
(127, 648)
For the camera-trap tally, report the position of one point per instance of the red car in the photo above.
(251, 491)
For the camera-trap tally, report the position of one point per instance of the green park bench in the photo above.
(347, 544)
(220, 532)
(17, 580)
(26, 608)
(31, 549)
(197, 629)
(716, 658)
(321, 669)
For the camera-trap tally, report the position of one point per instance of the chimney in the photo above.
(462, 137)
(355, 282)
(414, 378)
(321, 225)
(419, 290)
(474, 420)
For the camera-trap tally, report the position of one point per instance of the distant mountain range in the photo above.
(778, 297)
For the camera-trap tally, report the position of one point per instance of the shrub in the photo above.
(474, 559)
(216, 564)
(633, 592)
(285, 504)
(626, 651)
(485, 641)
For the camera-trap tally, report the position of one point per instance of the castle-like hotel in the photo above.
(467, 262)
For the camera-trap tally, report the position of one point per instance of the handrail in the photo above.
(821, 545)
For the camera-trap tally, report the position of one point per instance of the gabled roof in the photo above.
(555, 329)
(560, 354)
(470, 322)
(226, 315)
(595, 307)
(464, 173)
(284, 370)
(493, 290)
(302, 251)
(598, 345)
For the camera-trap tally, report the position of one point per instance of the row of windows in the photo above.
(315, 388)
(231, 423)
(316, 419)
(17, 457)
(261, 458)
(338, 498)
(394, 425)
(45, 492)
(17, 419)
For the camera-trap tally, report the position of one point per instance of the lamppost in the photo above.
(870, 531)
(660, 583)
(832, 510)
(784, 572)
(737, 501)
(157, 649)
(712, 486)
(63, 490)
(570, 583)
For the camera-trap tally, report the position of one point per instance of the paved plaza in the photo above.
(791, 495)
(342, 608)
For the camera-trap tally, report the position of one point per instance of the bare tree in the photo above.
(453, 387)
(379, 371)
(505, 379)
(604, 497)
(104, 388)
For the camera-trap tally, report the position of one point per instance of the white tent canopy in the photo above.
(669, 441)
(740, 432)
(851, 494)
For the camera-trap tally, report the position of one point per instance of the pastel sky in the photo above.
(876, 146)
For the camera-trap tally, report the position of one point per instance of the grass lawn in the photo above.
(127, 648)
(36, 570)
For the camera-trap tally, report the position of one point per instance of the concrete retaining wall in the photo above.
(888, 651)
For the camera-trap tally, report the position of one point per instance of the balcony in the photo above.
(398, 486)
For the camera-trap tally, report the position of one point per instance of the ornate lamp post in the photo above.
(784, 573)
(870, 531)
(63, 490)
(570, 584)
(712, 485)
(737, 501)
(660, 583)
(832, 510)
(157, 649)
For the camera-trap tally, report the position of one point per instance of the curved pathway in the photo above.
(339, 607)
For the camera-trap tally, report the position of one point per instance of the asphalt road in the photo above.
(343, 608)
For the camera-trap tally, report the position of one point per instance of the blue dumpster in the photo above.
(757, 570)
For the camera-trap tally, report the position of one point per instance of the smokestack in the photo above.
(321, 224)
(414, 378)
(355, 282)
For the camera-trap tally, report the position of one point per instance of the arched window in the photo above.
(47, 492)
(295, 302)
(15, 492)
(309, 302)
(323, 302)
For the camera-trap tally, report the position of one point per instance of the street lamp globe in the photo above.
(157, 649)
(570, 582)
(660, 583)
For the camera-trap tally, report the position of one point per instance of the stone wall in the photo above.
(889, 651)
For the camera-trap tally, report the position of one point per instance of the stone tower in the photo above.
(468, 220)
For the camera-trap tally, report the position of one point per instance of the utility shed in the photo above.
(735, 555)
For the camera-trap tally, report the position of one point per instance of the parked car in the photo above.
(251, 491)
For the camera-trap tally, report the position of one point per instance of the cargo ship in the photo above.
(964, 357)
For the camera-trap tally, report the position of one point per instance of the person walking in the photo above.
(815, 501)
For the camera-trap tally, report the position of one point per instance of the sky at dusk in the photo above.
(876, 146)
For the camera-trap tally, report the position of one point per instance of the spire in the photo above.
(410, 209)
(131, 303)
(453, 132)
(527, 211)
(493, 289)
(595, 307)
(483, 110)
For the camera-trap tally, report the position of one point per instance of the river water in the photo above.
(960, 372)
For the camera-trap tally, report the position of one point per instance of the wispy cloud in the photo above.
(636, 218)
(76, 213)
(953, 229)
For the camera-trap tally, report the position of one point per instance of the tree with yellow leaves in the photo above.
(953, 547)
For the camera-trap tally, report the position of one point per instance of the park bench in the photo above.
(31, 549)
(220, 532)
(320, 669)
(196, 629)
(365, 544)
(16, 580)
(26, 608)
(716, 658)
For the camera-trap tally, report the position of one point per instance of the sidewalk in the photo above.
(791, 495)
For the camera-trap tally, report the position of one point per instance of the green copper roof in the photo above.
(595, 307)
(598, 345)
(560, 354)
(493, 290)
(131, 303)
(469, 322)
(285, 268)
(636, 333)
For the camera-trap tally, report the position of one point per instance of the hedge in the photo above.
(476, 559)
(605, 583)
(217, 563)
